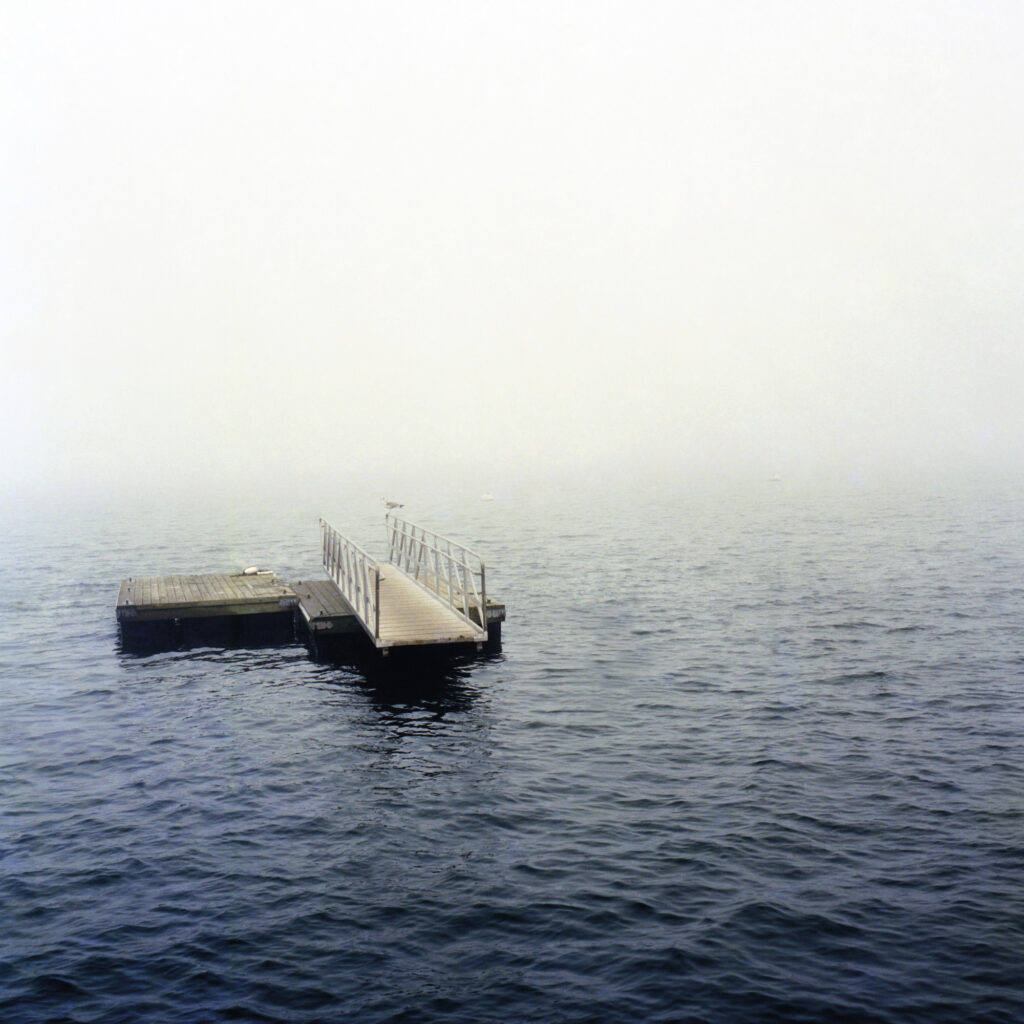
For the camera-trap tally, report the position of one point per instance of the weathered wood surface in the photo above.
(324, 608)
(409, 615)
(321, 599)
(198, 596)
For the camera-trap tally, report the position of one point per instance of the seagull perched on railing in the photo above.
(389, 505)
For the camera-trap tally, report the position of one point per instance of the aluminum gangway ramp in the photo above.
(430, 591)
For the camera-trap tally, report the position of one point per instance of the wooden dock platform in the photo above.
(209, 610)
(202, 596)
(435, 599)
(323, 609)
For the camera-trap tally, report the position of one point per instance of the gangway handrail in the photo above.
(450, 571)
(356, 574)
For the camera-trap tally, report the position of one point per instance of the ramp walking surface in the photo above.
(410, 615)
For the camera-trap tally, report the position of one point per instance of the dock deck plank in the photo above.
(322, 598)
(194, 596)
(326, 612)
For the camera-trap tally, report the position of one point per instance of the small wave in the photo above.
(247, 1012)
(857, 624)
(56, 985)
(859, 677)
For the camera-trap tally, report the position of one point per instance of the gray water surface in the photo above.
(745, 756)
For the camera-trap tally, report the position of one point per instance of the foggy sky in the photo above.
(492, 239)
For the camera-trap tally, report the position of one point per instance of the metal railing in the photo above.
(356, 575)
(453, 573)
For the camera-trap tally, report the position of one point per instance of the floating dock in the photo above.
(430, 594)
(189, 611)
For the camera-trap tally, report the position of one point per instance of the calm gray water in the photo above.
(745, 756)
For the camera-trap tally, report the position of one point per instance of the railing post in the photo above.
(376, 604)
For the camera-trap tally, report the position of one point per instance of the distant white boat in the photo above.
(487, 497)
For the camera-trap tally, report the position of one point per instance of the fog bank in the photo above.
(444, 241)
